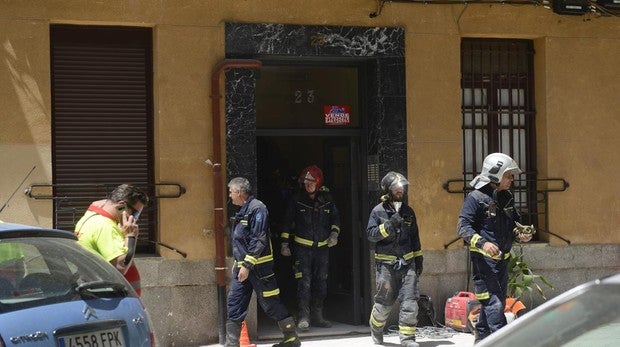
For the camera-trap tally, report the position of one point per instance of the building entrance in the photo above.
(306, 68)
(293, 130)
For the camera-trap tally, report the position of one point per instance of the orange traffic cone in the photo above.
(244, 339)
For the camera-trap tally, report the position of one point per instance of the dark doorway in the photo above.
(277, 181)
(293, 133)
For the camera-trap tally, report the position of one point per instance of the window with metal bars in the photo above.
(498, 112)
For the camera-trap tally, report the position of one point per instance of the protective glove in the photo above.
(524, 229)
(419, 265)
(285, 250)
(395, 222)
(333, 239)
(524, 233)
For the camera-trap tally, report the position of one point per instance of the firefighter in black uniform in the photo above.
(392, 225)
(487, 224)
(313, 216)
(253, 269)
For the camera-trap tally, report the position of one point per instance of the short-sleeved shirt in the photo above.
(9, 252)
(98, 232)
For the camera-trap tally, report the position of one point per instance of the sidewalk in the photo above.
(426, 337)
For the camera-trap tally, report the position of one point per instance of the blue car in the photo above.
(53, 292)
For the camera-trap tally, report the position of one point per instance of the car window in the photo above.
(589, 317)
(604, 335)
(41, 270)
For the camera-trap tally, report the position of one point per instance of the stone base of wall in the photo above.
(181, 295)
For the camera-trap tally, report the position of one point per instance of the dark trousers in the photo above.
(490, 286)
(267, 292)
(313, 266)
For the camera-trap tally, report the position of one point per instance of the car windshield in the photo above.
(590, 317)
(44, 270)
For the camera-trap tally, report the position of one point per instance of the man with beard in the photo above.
(393, 227)
(312, 221)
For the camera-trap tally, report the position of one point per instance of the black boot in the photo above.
(303, 316)
(233, 330)
(287, 326)
(316, 317)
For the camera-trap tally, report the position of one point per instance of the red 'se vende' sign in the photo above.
(337, 114)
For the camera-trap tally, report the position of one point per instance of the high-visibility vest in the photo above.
(133, 277)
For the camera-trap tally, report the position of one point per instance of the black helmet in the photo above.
(392, 179)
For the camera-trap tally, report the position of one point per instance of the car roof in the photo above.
(12, 230)
(615, 278)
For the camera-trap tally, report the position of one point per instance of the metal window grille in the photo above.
(498, 111)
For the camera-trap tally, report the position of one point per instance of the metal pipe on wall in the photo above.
(218, 188)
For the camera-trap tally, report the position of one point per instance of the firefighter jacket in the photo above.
(312, 220)
(488, 215)
(251, 245)
(394, 244)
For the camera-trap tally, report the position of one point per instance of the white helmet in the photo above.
(493, 169)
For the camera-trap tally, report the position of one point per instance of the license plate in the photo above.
(100, 338)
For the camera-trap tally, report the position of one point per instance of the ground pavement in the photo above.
(343, 335)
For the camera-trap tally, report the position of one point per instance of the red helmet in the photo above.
(312, 173)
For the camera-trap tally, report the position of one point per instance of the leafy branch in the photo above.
(522, 279)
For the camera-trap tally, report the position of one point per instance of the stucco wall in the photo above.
(25, 118)
(576, 108)
(582, 109)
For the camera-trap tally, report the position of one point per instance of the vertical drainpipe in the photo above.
(218, 187)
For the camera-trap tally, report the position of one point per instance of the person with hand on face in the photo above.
(253, 267)
(313, 222)
(393, 227)
(487, 224)
(109, 227)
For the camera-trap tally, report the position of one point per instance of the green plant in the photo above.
(521, 279)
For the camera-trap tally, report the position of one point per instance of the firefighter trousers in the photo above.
(395, 284)
(267, 293)
(312, 266)
(490, 286)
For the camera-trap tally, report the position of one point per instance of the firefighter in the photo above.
(487, 225)
(313, 223)
(253, 267)
(393, 227)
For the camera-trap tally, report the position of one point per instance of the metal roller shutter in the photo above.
(102, 118)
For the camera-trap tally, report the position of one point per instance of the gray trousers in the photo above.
(392, 284)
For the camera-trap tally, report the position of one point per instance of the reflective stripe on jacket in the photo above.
(309, 222)
(391, 245)
(250, 235)
(484, 219)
